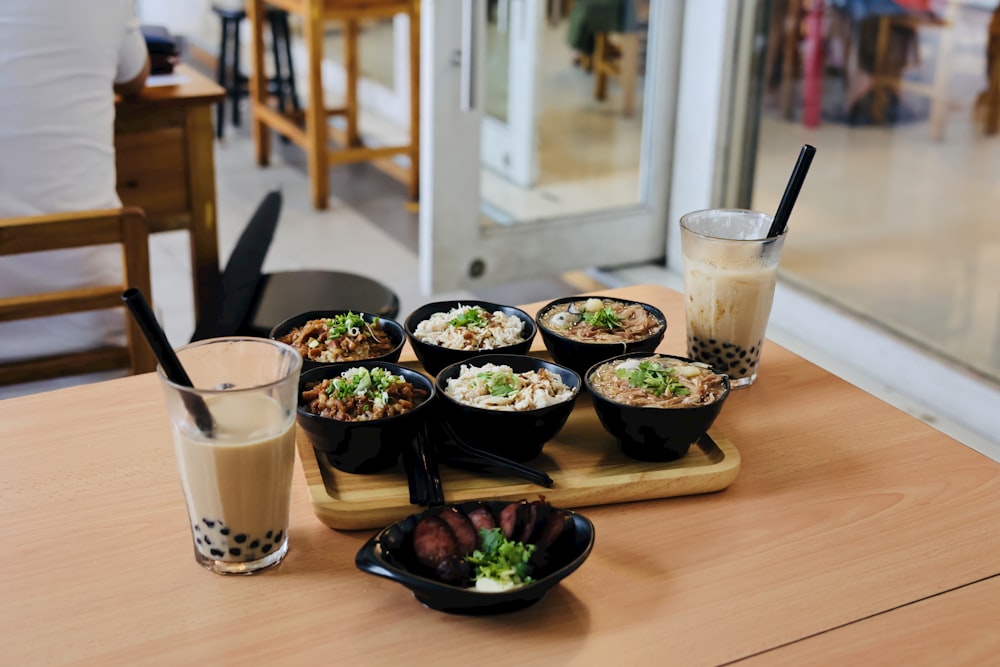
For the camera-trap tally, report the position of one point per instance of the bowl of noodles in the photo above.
(656, 405)
(333, 336)
(447, 332)
(360, 414)
(580, 331)
(509, 405)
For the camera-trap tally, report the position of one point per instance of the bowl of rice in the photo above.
(507, 404)
(333, 336)
(656, 405)
(360, 414)
(447, 332)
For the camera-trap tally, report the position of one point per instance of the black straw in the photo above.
(427, 459)
(792, 191)
(144, 317)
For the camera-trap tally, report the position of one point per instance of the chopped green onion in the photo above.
(605, 317)
(473, 317)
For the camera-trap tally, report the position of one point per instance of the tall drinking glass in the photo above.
(730, 270)
(236, 471)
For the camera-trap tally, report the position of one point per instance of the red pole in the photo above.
(812, 93)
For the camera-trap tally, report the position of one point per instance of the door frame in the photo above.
(475, 252)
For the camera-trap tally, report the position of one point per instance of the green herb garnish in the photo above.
(338, 325)
(499, 383)
(654, 378)
(361, 382)
(501, 559)
(473, 317)
(605, 317)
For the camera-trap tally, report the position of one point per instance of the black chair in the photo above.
(249, 302)
(282, 85)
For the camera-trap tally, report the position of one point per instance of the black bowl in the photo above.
(651, 433)
(519, 436)
(580, 356)
(392, 329)
(434, 357)
(389, 554)
(363, 447)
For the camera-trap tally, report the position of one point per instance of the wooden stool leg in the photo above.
(258, 82)
(879, 96)
(316, 130)
(600, 74)
(351, 70)
(413, 183)
(220, 109)
(628, 69)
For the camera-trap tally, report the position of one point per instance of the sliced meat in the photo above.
(482, 518)
(434, 541)
(512, 519)
(463, 529)
(558, 523)
(529, 514)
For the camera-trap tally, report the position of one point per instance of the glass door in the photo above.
(513, 38)
(547, 139)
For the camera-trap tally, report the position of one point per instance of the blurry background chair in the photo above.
(126, 227)
(230, 75)
(616, 55)
(310, 130)
(250, 302)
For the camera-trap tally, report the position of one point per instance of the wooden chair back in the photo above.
(125, 227)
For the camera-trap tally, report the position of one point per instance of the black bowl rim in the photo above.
(566, 299)
(318, 314)
(371, 559)
(500, 358)
(586, 378)
(409, 325)
(336, 368)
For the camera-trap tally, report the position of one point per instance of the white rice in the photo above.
(537, 389)
(501, 331)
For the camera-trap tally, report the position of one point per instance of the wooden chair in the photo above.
(616, 55)
(126, 227)
(310, 130)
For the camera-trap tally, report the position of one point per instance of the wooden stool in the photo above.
(624, 66)
(282, 85)
(311, 132)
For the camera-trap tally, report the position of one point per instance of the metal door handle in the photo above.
(467, 61)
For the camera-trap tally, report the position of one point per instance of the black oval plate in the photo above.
(389, 554)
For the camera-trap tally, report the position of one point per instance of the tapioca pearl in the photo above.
(743, 354)
(224, 531)
(240, 539)
(267, 547)
(730, 355)
(218, 553)
(234, 551)
(716, 351)
(209, 523)
(269, 534)
(255, 544)
(208, 541)
(278, 536)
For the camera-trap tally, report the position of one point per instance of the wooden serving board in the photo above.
(584, 462)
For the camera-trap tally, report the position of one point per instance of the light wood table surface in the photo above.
(845, 510)
(164, 150)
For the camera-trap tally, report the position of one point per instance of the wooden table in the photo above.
(852, 530)
(164, 146)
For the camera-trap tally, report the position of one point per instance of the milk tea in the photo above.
(730, 271)
(237, 484)
(727, 311)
